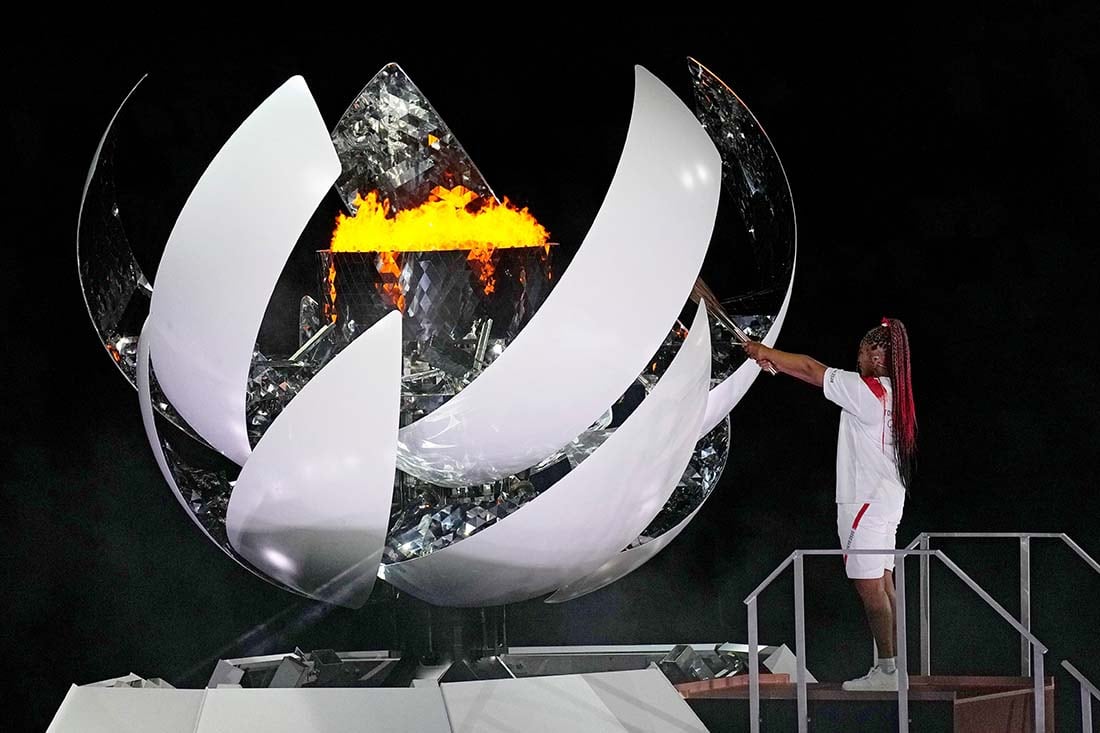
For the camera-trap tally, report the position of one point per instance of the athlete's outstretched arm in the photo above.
(799, 366)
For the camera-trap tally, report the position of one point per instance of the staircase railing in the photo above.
(1088, 691)
(922, 542)
(796, 559)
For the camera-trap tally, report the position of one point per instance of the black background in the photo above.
(943, 170)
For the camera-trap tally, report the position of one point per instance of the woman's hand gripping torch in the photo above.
(700, 292)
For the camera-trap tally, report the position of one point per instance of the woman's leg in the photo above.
(888, 586)
(878, 604)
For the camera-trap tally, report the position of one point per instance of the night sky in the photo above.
(944, 172)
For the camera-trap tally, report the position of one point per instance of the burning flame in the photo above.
(451, 219)
(391, 284)
(330, 301)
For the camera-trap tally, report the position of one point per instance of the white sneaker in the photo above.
(875, 681)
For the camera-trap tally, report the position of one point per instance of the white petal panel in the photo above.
(311, 507)
(620, 565)
(608, 314)
(225, 254)
(722, 399)
(590, 514)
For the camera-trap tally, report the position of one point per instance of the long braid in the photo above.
(892, 337)
(905, 414)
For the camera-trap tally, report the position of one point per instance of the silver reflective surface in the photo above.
(115, 289)
(272, 384)
(440, 293)
(435, 517)
(699, 479)
(757, 200)
(392, 140)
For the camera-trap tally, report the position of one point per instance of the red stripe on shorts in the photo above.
(855, 525)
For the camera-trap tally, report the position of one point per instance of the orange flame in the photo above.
(391, 284)
(481, 262)
(330, 302)
(450, 219)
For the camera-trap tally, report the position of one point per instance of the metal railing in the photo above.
(922, 541)
(796, 558)
(1088, 691)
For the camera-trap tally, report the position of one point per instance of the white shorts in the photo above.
(868, 526)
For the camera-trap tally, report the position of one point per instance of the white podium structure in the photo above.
(611, 702)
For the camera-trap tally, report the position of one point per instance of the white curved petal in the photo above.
(573, 359)
(622, 564)
(146, 402)
(225, 254)
(590, 514)
(725, 395)
(312, 504)
(723, 398)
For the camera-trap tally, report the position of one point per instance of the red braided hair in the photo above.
(893, 336)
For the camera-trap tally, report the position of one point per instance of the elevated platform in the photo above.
(960, 704)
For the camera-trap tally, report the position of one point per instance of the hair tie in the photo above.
(885, 322)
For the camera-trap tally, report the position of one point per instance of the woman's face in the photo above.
(871, 360)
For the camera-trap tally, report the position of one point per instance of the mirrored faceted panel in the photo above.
(699, 479)
(206, 489)
(115, 289)
(432, 518)
(392, 140)
(440, 293)
(453, 326)
(272, 384)
(756, 213)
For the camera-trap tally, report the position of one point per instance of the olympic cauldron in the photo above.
(445, 381)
